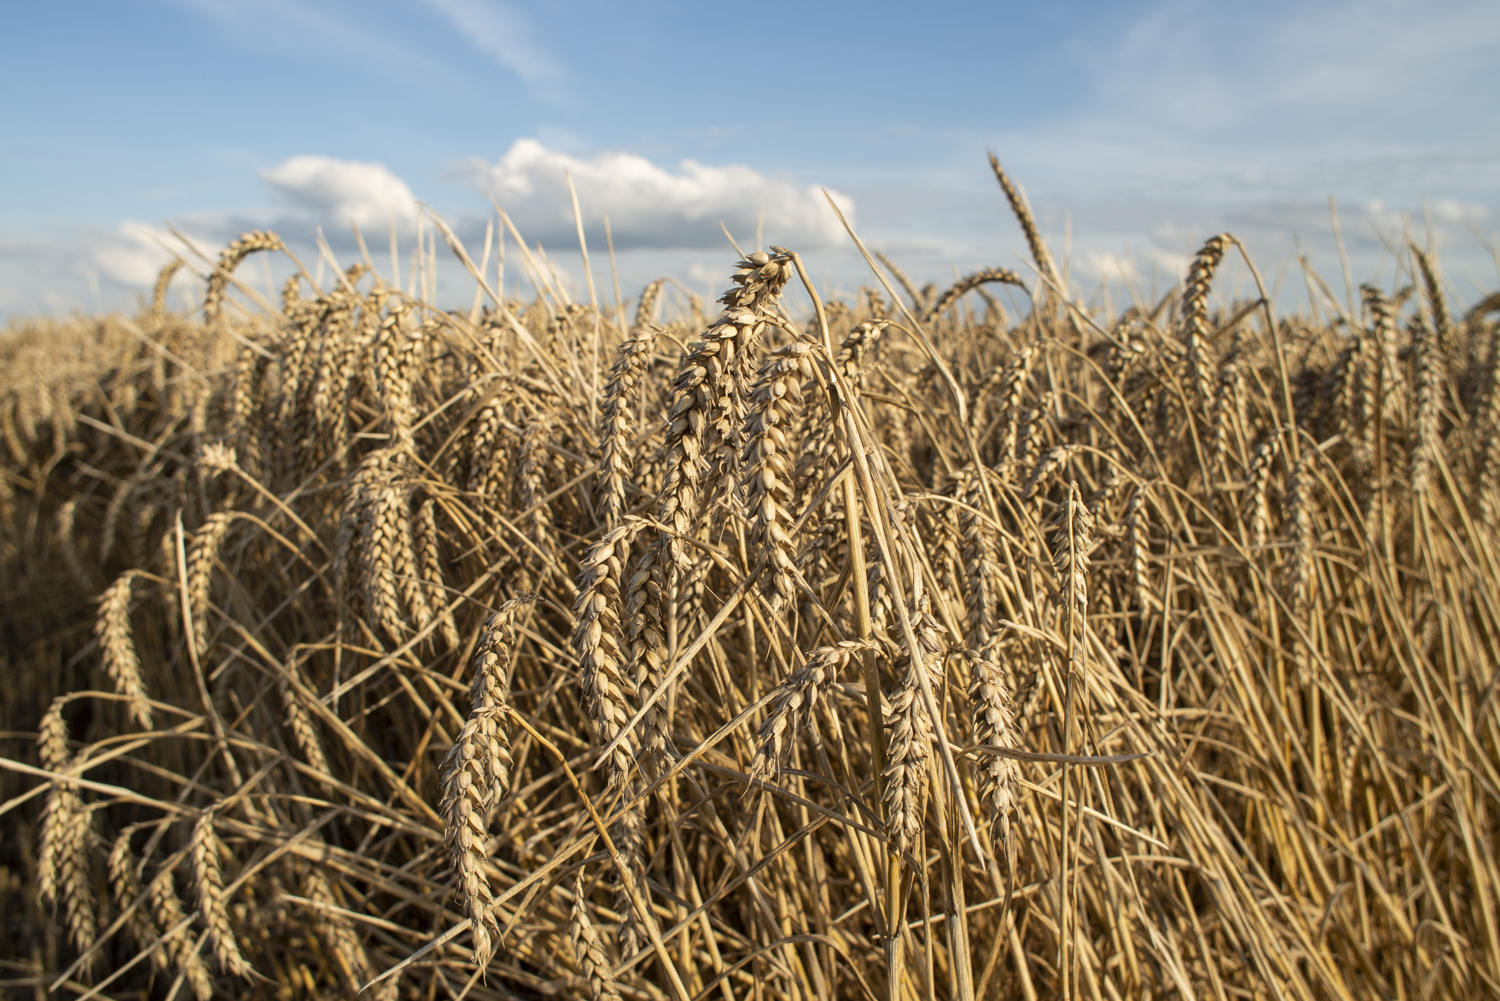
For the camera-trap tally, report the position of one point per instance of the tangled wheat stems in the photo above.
(453, 686)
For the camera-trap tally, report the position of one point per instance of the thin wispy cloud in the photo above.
(318, 28)
(504, 34)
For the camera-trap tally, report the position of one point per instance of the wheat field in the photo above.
(533, 650)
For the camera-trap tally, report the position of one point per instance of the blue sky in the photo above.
(1137, 130)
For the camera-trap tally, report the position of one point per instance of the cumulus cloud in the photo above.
(343, 191)
(649, 207)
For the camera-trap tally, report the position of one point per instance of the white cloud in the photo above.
(1108, 266)
(343, 191)
(503, 34)
(133, 254)
(652, 207)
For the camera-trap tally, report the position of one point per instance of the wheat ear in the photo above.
(159, 293)
(1258, 513)
(167, 912)
(909, 746)
(247, 244)
(304, 731)
(430, 561)
(1195, 328)
(1487, 428)
(1297, 510)
(588, 947)
(606, 689)
(645, 310)
(476, 776)
(207, 542)
(1428, 387)
(117, 647)
(1138, 542)
(67, 513)
(615, 425)
(774, 403)
(213, 905)
(793, 703)
(335, 929)
(1039, 253)
(969, 283)
(64, 873)
(125, 884)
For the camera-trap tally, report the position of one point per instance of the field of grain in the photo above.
(534, 650)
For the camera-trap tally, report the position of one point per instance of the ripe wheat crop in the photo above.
(901, 650)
